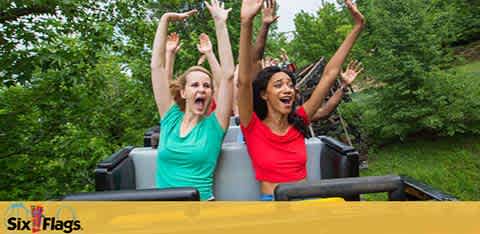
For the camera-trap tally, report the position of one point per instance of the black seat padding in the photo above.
(399, 188)
(174, 194)
(117, 172)
(338, 160)
(348, 188)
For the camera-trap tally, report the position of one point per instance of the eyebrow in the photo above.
(201, 82)
(281, 80)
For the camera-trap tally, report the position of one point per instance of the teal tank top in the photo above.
(188, 161)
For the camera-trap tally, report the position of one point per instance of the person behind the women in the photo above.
(191, 139)
(286, 63)
(347, 77)
(273, 128)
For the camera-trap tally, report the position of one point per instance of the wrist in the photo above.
(358, 26)
(344, 87)
(167, 16)
(246, 20)
(220, 22)
(209, 54)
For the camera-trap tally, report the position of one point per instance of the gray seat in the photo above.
(145, 162)
(234, 176)
(233, 134)
(233, 122)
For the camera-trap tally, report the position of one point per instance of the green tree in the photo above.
(76, 86)
(320, 34)
(405, 51)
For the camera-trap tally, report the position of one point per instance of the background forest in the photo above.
(75, 81)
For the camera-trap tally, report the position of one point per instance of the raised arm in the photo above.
(205, 47)
(330, 106)
(235, 92)
(225, 90)
(160, 83)
(250, 9)
(348, 76)
(332, 69)
(268, 19)
(201, 60)
(220, 16)
(172, 48)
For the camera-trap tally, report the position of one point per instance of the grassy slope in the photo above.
(450, 164)
(472, 68)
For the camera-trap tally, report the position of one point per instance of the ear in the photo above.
(182, 93)
(263, 94)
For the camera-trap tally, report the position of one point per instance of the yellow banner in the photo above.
(241, 217)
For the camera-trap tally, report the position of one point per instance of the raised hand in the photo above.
(250, 9)
(173, 43)
(269, 12)
(181, 16)
(356, 14)
(217, 10)
(201, 60)
(205, 45)
(348, 76)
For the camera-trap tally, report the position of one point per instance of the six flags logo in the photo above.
(35, 220)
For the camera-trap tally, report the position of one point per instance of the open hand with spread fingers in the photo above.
(204, 45)
(353, 70)
(269, 15)
(250, 9)
(217, 10)
(358, 18)
(173, 43)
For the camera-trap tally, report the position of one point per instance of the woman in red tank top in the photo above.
(272, 126)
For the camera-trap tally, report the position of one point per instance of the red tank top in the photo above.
(213, 106)
(275, 158)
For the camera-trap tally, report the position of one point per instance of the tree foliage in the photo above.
(405, 50)
(76, 86)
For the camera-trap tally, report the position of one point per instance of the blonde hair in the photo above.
(179, 84)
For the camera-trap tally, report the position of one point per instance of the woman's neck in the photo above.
(277, 122)
(190, 120)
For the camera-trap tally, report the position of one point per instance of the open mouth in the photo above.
(286, 100)
(200, 102)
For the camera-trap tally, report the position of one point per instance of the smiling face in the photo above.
(280, 93)
(197, 92)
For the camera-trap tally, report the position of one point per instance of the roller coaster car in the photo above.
(332, 168)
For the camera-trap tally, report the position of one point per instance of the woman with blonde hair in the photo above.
(191, 138)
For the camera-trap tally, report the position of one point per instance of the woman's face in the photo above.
(280, 93)
(197, 92)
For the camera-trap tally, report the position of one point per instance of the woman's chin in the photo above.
(286, 110)
(199, 111)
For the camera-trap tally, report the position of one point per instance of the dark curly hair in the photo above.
(260, 105)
